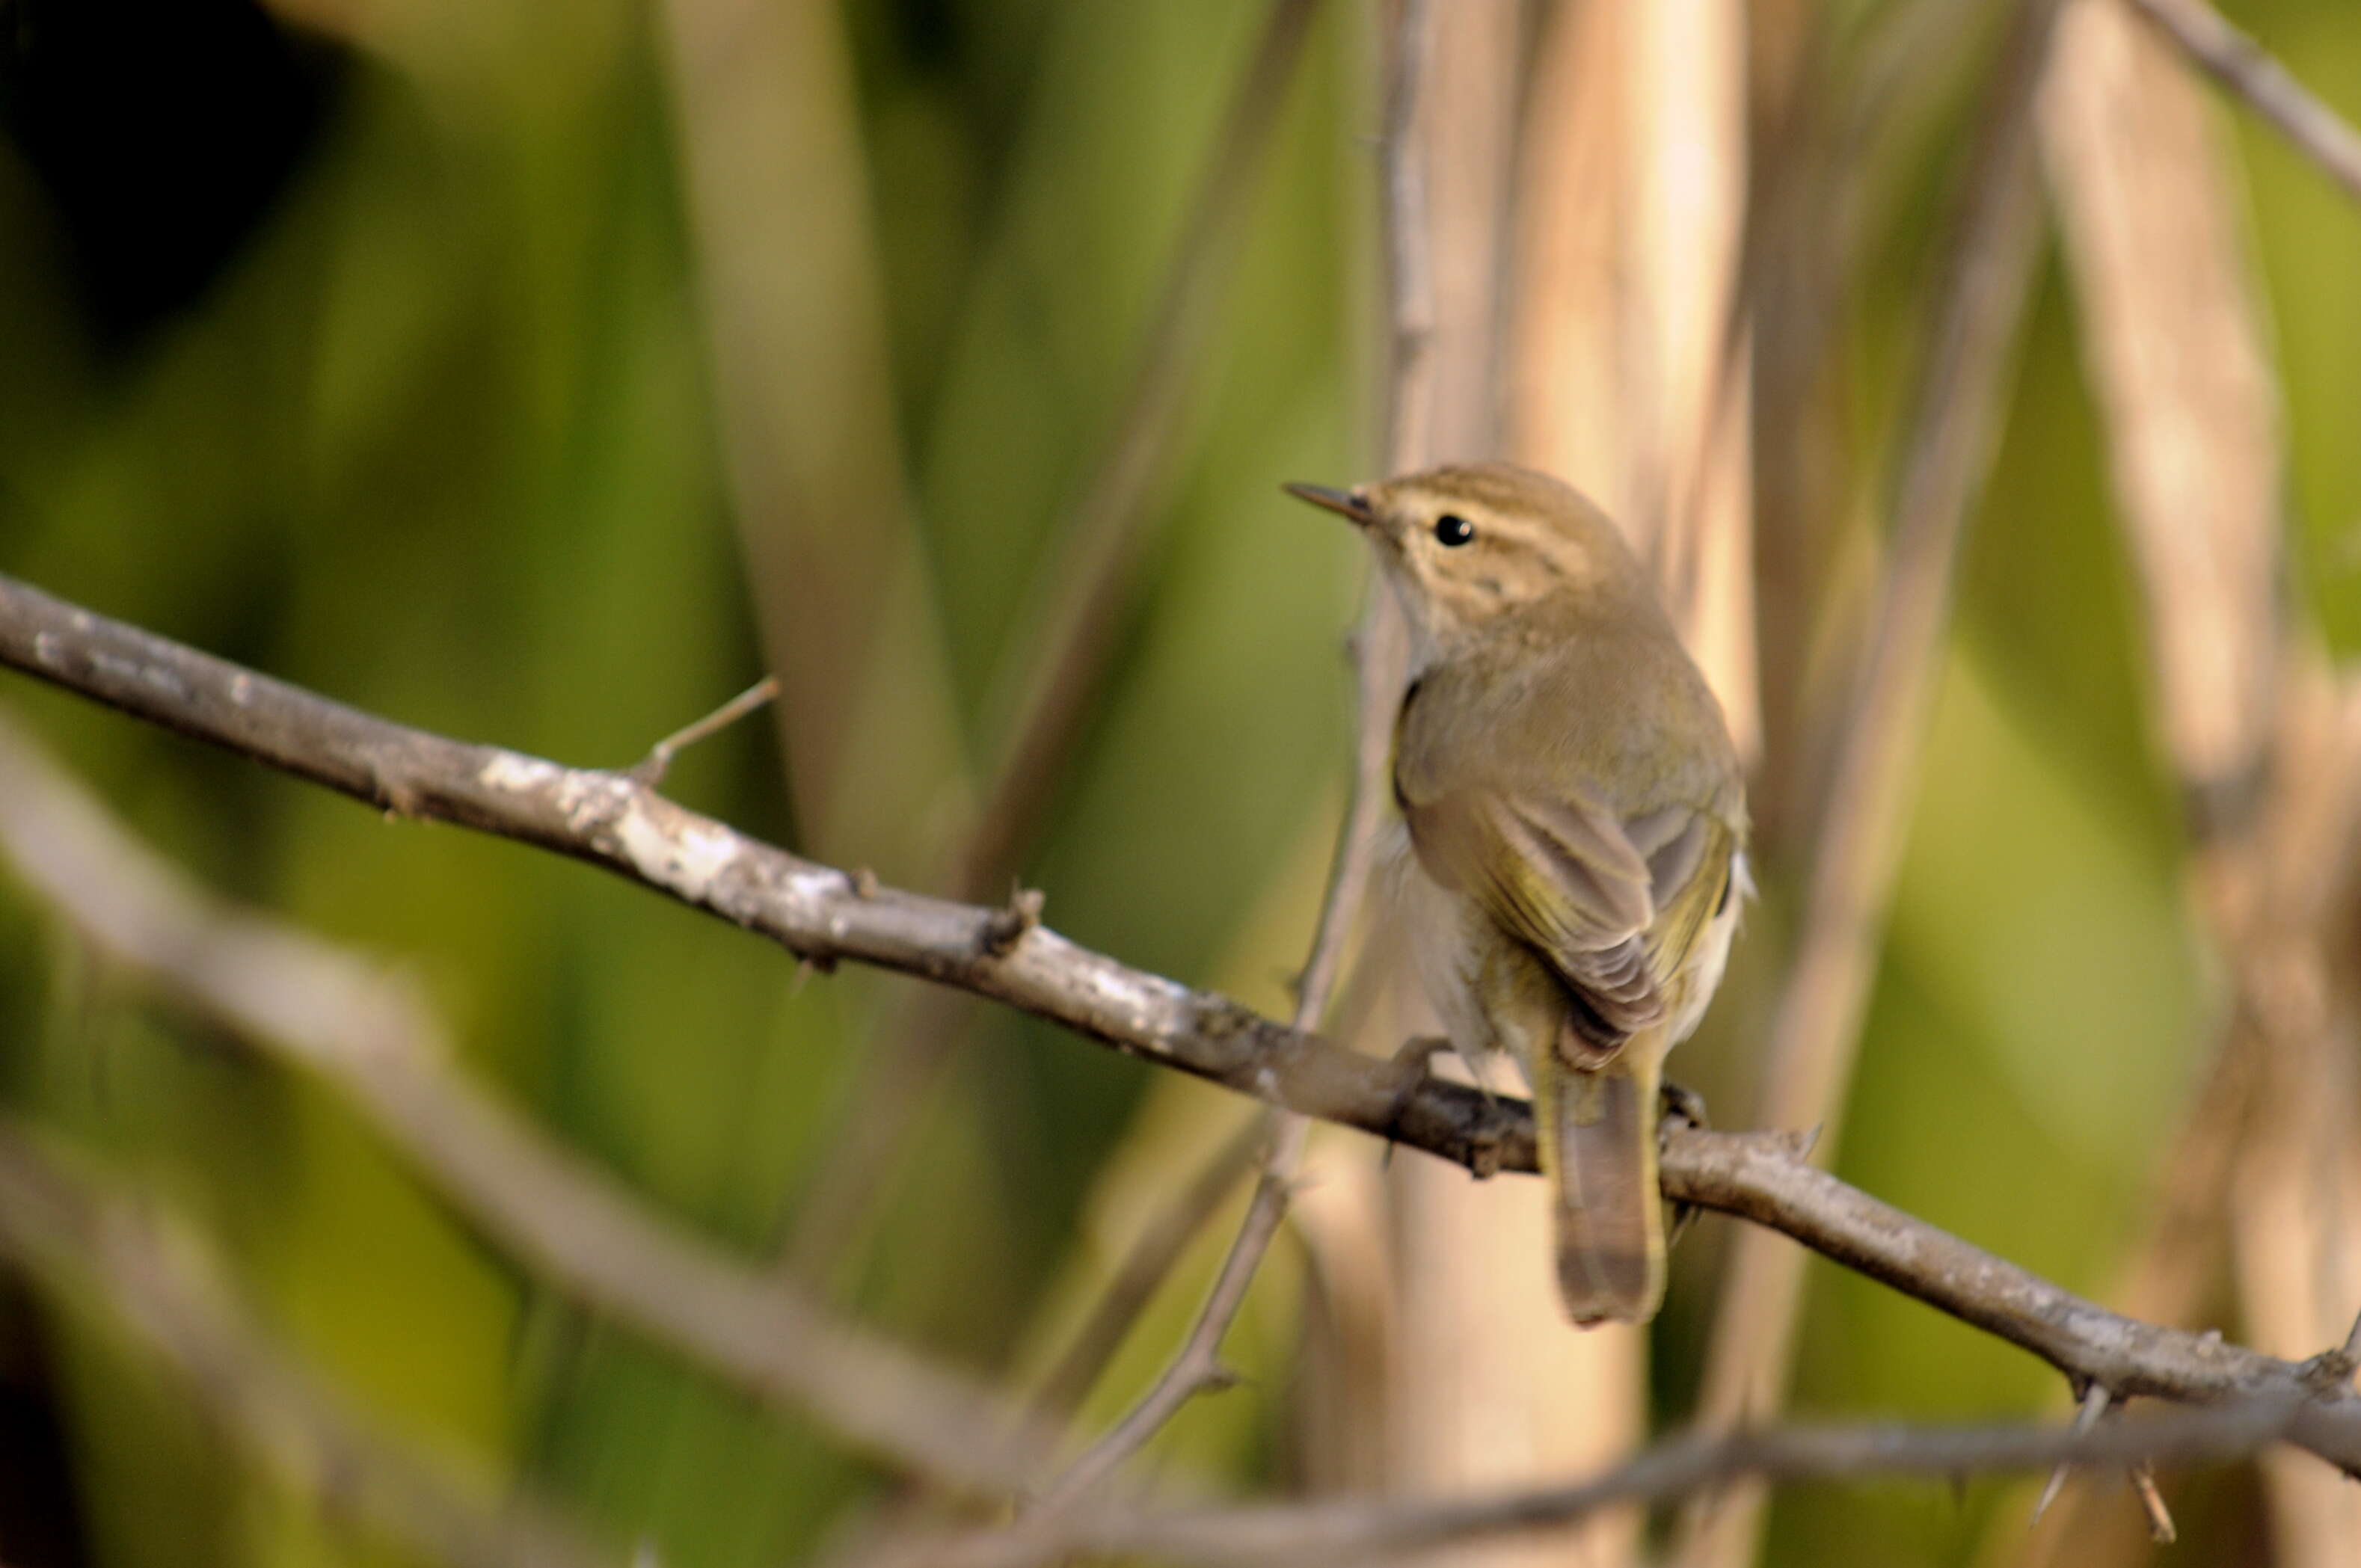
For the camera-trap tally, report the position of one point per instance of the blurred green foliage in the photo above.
(436, 438)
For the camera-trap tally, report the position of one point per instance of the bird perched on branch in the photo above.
(1578, 824)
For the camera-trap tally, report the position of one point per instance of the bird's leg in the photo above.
(1475, 1065)
(1683, 1106)
(1413, 1064)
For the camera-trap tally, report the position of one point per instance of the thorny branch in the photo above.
(821, 912)
(528, 1194)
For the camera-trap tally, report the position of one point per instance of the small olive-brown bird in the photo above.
(1578, 824)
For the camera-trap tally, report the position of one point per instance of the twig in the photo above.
(1358, 1531)
(658, 761)
(1152, 1258)
(813, 909)
(1816, 1032)
(1198, 1368)
(1097, 554)
(317, 1007)
(2248, 70)
(1158, 1251)
(83, 1242)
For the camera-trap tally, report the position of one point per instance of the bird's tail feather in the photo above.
(1598, 1132)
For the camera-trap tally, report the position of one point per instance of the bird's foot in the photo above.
(1683, 1107)
(1412, 1065)
(1682, 1104)
(1409, 1068)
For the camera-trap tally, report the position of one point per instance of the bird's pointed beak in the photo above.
(1349, 504)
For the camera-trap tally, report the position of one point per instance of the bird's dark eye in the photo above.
(1453, 528)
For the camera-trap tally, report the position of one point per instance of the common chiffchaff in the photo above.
(1578, 823)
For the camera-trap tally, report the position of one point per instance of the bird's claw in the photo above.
(1683, 1104)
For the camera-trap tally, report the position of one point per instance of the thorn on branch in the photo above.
(2094, 1396)
(2330, 1370)
(402, 804)
(865, 882)
(1679, 1107)
(652, 768)
(1007, 925)
(2160, 1518)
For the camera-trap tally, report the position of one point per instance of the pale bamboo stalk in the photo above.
(1486, 1384)
(1688, 204)
(2295, 1198)
(2175, 353)
(2247, 71)
(1340, 1405)
(1834, 150)
(1626, 213)
(2265, 1162)
(1631, 378)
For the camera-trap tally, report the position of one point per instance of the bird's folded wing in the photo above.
(1563, 878)
(1689, 855)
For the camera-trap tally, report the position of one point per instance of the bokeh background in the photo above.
(543, 374)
